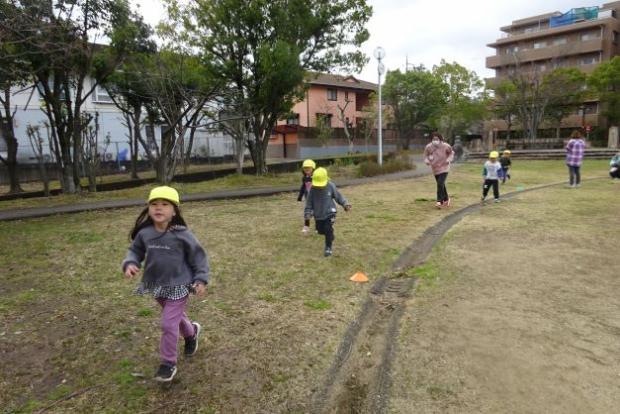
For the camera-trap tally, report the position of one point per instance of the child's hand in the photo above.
(131, 270)
(347, 208)
(200, 288)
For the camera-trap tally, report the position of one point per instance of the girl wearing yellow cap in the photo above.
(491, 173)
(307, 169)
(320, 204)
(174, 265)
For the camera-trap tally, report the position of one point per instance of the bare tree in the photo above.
(36, 143)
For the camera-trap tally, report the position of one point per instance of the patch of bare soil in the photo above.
(359, 380)
(528, 320)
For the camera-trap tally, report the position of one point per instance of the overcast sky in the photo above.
(425, 31)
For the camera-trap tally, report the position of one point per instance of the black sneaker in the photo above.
(191, 343)
(328, 252)
(165, 373)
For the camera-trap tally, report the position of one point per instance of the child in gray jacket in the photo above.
(174, 265)
(320, 204)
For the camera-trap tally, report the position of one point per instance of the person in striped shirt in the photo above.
(574, 157)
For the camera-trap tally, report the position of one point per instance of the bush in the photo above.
(371, 168)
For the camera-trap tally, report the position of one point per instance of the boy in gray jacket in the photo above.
(320, 204)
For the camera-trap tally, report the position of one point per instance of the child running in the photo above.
(320, 204)
(504, 160)
(492, 169)
(614, 166)
(307, 168)
(174, 265)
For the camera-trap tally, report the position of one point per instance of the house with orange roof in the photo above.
(337, 101)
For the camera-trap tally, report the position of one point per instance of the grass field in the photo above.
(518, 310)
(78, 340)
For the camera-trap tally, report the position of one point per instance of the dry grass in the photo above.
(273, 316)
(517, 310)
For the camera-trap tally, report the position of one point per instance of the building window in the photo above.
(614, 36)
(511, 49)
(588, 36)
(100, 95)
(589, 60)
(325, 119)
(332, 94)
(540, 45)
(559, 41)
(346, 96)
(293, 119)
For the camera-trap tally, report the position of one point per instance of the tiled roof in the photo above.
(340, 81)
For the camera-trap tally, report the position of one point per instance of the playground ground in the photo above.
(515, 310)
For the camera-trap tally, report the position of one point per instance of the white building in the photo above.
(28, 105)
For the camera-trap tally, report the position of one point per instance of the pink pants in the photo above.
(173, 320)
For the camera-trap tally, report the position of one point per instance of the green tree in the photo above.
(566, 92)
(605, 82)
(466, 101)
(504, 105)
(12, 75)
(262, 50)
(414, 97)
(56, 41)
(179, 85)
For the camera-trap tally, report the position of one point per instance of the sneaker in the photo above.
(305, 230)
(497, 200)
(191, 343)
(447, 203)
(165, 373)
(328, 252)
(438, 204)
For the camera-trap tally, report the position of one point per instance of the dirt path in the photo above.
(537, 339)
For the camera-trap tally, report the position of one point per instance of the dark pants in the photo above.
(326, 227)
(574, 175)
(505, 174)
(487, 184)
(615, 174)
(442, 192)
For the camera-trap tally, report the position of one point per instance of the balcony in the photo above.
(545, 53)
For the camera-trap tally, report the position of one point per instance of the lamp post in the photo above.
(379, 55)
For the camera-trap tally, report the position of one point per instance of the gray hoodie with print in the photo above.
(320, 202)
(171, 258)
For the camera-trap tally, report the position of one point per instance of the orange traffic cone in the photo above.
(359, 277)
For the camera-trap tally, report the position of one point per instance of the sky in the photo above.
(426, 31)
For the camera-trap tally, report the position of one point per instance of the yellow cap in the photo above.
(164, 193)
(320, 178)
(493, 154)
(507, 152)
(308, 163)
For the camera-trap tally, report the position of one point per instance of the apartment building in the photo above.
(582, 38)
(336, 100)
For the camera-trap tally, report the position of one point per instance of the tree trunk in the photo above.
(44, 178)
(6, 123)
(239, 154)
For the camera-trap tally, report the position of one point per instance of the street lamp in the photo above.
(379, 55)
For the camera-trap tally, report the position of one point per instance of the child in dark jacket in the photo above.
(307, 168)
(320, 204)
(506, 163)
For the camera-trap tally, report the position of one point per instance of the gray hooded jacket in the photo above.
(320, 202)
(173, 258)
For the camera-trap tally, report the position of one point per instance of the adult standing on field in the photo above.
(574, 157)
(439, 154)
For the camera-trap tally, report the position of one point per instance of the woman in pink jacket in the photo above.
(438, 154)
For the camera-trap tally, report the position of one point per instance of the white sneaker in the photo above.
(305, 230)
